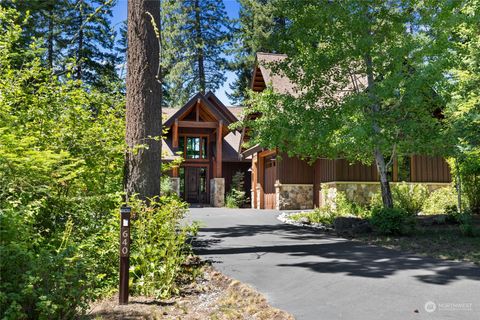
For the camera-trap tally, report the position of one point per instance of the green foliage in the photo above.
(346, 207)
(395, 221)
(236, 196)
(323, 215)
(61, 168)
(409, 197)
(159, 246)
(257, 22)
(439, 200)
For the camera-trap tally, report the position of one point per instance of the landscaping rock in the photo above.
(304, 220)
(351, 226)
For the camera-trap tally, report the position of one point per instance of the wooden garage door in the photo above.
(269, 185)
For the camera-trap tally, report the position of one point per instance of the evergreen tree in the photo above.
(258, 21)
(92, 40)
(73, 31)
(197, 62)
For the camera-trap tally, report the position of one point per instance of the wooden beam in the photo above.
(254, 182)
(175, 134)
(219, 150)
(175, 172)
(261, 181)
(195, 124)
(197, 110)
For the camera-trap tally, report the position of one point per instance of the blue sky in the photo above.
(232, 6)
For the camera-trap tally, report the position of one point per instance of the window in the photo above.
(403, 165)
(193, 147)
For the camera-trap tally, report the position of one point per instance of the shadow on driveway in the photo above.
(335, 255)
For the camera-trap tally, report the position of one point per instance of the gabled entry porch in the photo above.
(197, 133)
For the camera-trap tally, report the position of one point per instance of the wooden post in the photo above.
(254, 181)
(175, 145)
(218, 158)
(124, 254)
(261, 181)
(197, 110)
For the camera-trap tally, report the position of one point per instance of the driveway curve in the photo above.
(318, 276)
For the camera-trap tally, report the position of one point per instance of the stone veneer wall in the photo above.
(362, 192)
(175, 185)
(294, 196)
(217, 192)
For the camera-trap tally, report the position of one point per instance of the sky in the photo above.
(232, 7)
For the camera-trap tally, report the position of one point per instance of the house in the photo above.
(199, 131)
(283, 182)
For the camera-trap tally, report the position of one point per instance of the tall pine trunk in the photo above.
(144, 115)
(199, 42)
(50, 36)
(377, 154)
(80, 41)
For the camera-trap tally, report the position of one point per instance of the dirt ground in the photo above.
(213, 296)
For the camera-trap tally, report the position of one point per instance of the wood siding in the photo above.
(344, 171)
(230, 168)
(270, 178)
(294, 170)
(429, 169)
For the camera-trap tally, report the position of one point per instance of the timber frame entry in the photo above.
(197, 131)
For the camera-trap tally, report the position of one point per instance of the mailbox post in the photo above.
(124, 253)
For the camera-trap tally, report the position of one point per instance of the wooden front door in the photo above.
(196, 184)
(269, 183)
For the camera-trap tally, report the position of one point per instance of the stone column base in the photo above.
(217, 192)
(175, 185)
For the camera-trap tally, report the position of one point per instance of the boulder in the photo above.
(351, 225)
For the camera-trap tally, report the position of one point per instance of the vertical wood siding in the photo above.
(354, 172)
(429, 169)
(294, 170)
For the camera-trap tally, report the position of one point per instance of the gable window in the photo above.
(193, 147)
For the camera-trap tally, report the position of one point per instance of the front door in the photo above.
(196, 184)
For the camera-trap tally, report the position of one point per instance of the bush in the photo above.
(439, 200)
(345, 207)
(395, 221)
(409, 197)
(322, 215)
(468, 168)
(236, 197)
(159, 246)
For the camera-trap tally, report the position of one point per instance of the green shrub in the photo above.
(345, 207)
(159, 246)
(236, 198)
(439, 200)
(231, 200)
(409, 197)
(322, 215)
(468, 168)
(395, 221)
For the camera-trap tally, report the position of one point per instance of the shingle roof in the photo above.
(279, 82)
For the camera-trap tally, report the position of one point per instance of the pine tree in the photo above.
(196, 60)
(144, 99)
(258, 21)
(92, 40)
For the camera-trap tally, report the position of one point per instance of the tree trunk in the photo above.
(144, 115)
(378, 156)
(80, 41)
(200, 53)
(50, 36)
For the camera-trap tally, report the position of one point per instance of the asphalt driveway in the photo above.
(318, 276)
